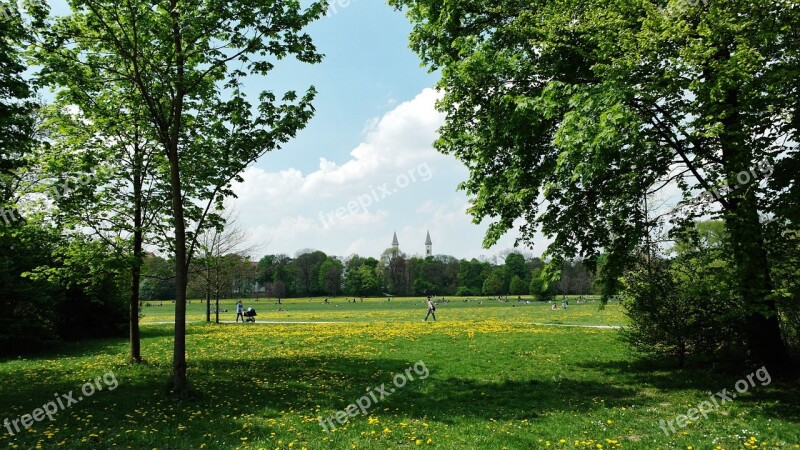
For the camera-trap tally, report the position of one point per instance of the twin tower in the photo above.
(428, 245)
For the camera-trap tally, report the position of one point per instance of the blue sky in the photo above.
(364, 167)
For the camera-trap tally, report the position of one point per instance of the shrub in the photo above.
(682, 307)
(464, 291)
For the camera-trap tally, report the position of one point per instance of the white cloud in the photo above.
(399, 139)
(402, 137)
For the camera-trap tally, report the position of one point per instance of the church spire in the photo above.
(395, 244)
(428, 245)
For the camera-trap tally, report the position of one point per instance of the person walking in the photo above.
(239, 311)
(431, 310)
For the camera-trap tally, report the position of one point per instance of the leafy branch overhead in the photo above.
(569, 115)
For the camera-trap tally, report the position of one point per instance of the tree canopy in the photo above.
(569, 114)
(183, 62)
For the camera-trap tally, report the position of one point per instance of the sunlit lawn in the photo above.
(495, 380)
(396, 310)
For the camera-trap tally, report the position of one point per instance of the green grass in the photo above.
(495, 380)
(396, 310)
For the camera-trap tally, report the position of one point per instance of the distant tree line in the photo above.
(314, 273)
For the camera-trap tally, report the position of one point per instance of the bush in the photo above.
(27, 306)
(540, 288)
(47, 296)
(422, 288)
(464, 291)
(682, 307)
(786, 276)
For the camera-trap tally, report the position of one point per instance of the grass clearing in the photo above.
(494, 381)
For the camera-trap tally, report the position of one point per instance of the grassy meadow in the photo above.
(496, 376)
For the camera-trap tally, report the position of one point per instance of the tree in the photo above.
(330, 276)
(96, 286)
(185, 60)
(47, 266)
(244, 276)
(396, 275)
(361, 276)
(266, 269)
(471, 275)
(686, 305)
(517, 286)
(363, 281)
(23, 246)
(515, 265)
(540, 287)
(17, 108)
(109, 172)
(158, 279)
(432, 275)
(307, 264)
(220, 251)
(495, 283)
(18, 117)
(568, 117)
(283, 277)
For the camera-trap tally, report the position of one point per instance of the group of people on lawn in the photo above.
(431, 310)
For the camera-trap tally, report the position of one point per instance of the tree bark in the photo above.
(138, 240)
(179, 380)
(208, 306)
(747, 239)
(136, 275)
(181, 276)
(753, 270)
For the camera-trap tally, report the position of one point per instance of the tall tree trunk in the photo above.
(179, 385)
(208, 306)
(136, 353)
(753, 270)
(181, 277)
(747, 238)
(136, 275)
(138, 239)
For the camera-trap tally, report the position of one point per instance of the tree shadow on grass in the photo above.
(776, 399)
(264, 388)
(334, 383)
(83, 347)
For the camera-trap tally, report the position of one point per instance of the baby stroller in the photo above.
(250, 314)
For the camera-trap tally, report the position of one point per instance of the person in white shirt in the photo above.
(431, 310)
